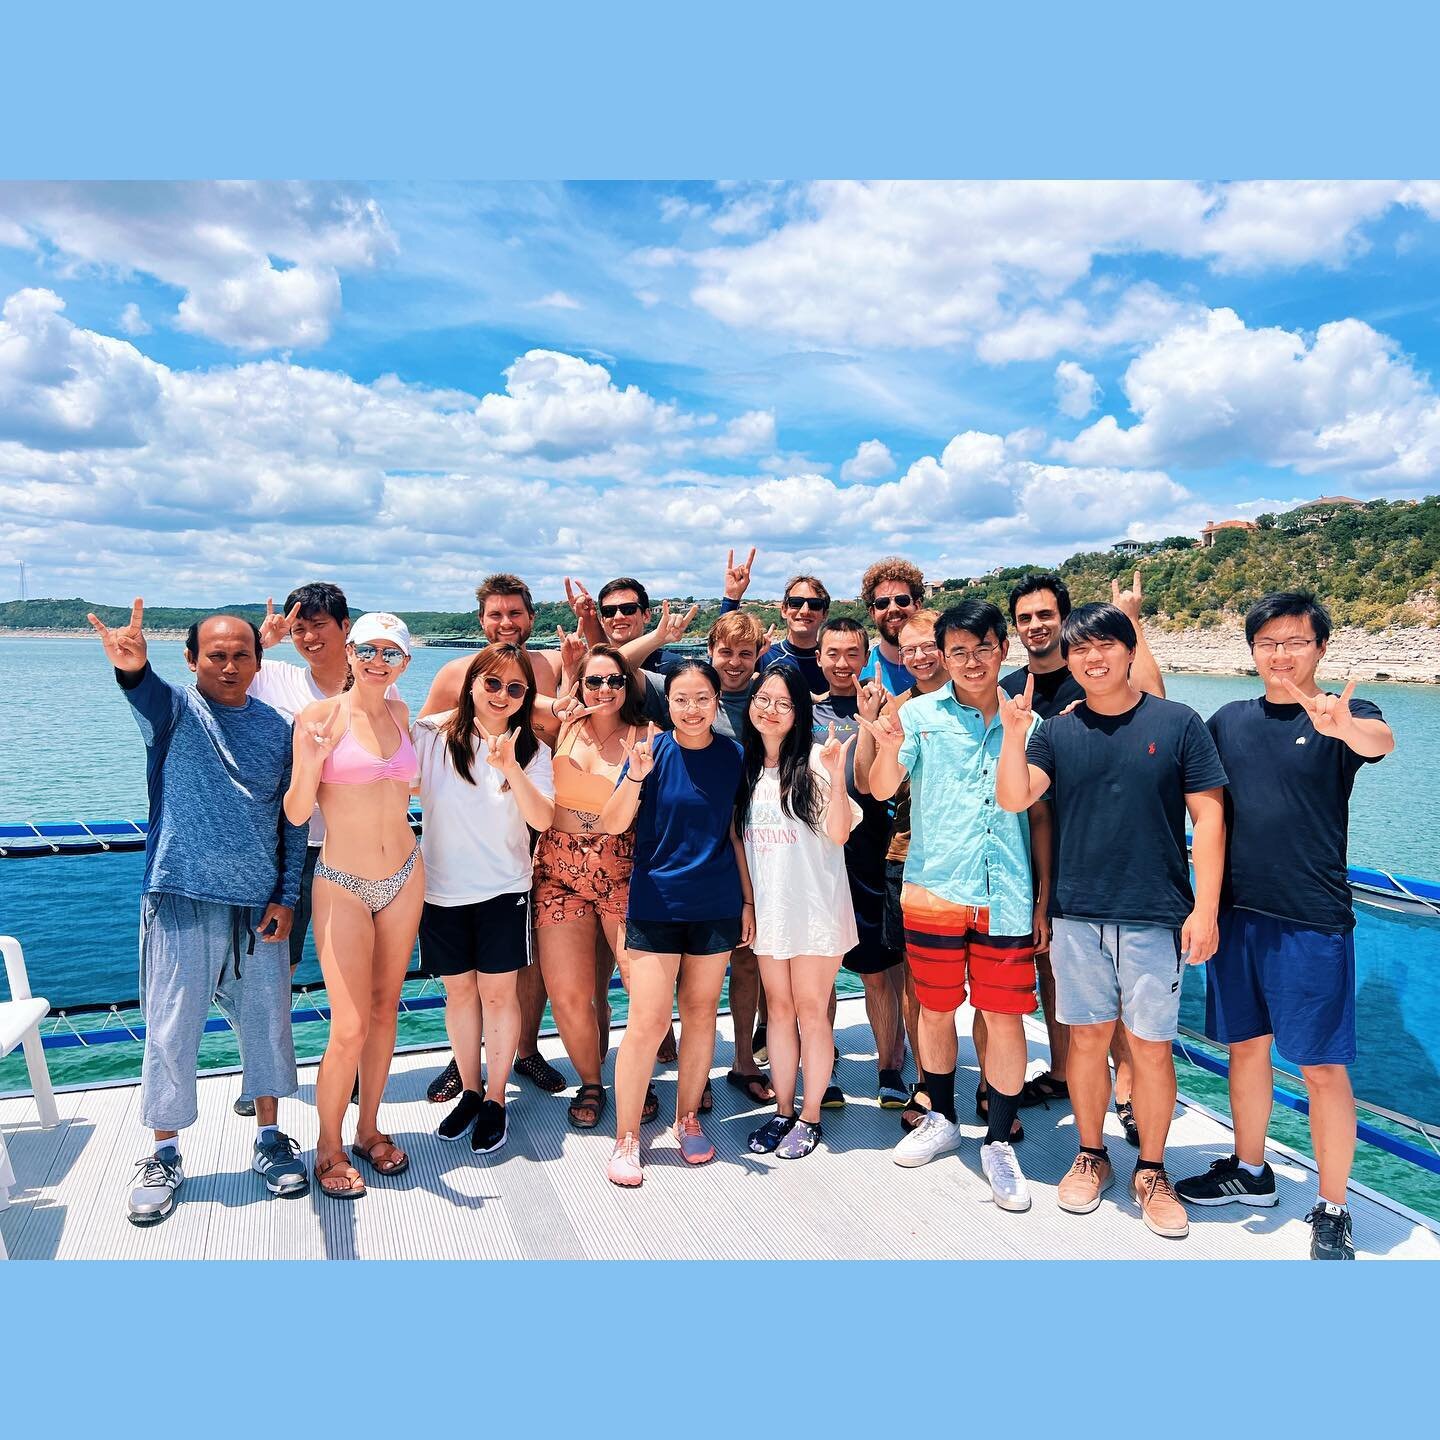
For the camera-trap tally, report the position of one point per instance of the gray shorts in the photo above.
(1109, 972)
(193, 952)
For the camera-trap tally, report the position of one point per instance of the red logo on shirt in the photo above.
(1150, 749)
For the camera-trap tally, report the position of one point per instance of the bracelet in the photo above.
(744, 903)
(640, 780)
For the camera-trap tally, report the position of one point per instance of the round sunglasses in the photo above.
(515, 689)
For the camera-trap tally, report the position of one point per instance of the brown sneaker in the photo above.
(1159, 1204)
(1084, 1183)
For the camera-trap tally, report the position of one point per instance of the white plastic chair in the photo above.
(20, 1018)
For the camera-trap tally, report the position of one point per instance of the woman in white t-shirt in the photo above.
(794, 815)
(485, 782)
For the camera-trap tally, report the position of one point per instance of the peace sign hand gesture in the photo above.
(500, 750)
(1128, 600)
(640, 756)
(1329, 714)
(274, 628)
(833, 756)
(737, 577)
(870, 697)
(124, 645)
(886, 732)
(324, 735)
(772, 634)
(1016, 711)
(673, 627)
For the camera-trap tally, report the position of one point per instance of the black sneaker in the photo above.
(244, 1107)
(445, 1086)
(1126, 1112)
(461, 1118)
(892, 1091)
(764, 1140)
(1228, 1182)
(1330, 1236)
(490, 1128)
(833, 1098)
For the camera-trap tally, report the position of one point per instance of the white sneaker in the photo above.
(1002, 1170)
(933, 1136)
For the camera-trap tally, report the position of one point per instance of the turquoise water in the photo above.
(72, 750)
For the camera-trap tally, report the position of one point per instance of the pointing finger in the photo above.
(730, 559)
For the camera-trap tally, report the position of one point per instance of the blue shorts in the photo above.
(682, 937)
(1273, 977)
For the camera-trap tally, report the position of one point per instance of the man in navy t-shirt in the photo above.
(1285, 969)
(1122, 771)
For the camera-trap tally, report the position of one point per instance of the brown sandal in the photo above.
(587, 1107)
(397, 1163)
(354, 1186)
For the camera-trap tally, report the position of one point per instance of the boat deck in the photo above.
(545, 1196)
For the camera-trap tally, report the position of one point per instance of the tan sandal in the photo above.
(348, 1186)
(396, 1163)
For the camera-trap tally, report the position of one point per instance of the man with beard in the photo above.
(892, 590)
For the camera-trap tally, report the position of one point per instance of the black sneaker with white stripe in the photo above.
(1228, 1182)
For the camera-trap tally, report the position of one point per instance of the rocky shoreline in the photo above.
(1405, 653)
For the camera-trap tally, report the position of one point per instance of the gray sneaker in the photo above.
(278, 1161)
(159, 1177)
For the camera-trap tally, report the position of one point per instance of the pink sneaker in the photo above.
(694, 1147)
(624, 1166)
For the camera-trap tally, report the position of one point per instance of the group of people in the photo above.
(790, 804)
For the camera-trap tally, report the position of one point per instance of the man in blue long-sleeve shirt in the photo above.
(222, 872)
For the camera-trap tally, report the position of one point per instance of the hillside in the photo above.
(1375, 567)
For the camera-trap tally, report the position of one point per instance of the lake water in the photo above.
(71, 750)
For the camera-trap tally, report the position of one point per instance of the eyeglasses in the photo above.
(980, 652)
(764, 702)
(684, 703)
(515, 689)
(1282, 647)
(919, 652)
(884, 602)
(625, 607)
(805, 602)
(391, 654)
(604, 682)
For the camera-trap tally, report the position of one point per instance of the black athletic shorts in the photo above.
(491, 936)
(682, 937)
(893, 926)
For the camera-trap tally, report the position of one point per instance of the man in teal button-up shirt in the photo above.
(976, 887)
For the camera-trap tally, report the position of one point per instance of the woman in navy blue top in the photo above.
(690, 904)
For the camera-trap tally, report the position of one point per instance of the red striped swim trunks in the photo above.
(947, 944)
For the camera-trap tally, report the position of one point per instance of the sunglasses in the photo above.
(515, 689)
(805, 602)
(625, 607)
(900, 602)
(604, 682)
(391, 654)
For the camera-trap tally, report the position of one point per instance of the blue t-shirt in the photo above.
(806, 661)
(684, 861)
(894, 676)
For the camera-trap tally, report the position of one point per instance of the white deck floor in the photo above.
(545, 1195)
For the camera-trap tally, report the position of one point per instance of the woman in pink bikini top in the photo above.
(353, 754)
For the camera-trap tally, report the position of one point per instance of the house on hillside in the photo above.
(1130, 547)
(1212, 528)
(1317, 512)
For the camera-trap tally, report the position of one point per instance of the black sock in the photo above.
(940, 1087)
(1099, 1152)
(1149, 1164)
(1003, 1109)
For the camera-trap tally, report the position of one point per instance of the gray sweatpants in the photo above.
(193, 952)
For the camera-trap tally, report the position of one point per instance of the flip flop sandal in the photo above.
(707, 1099)
(748, 1085)
(354, 1188)
(652, 1105)
(587, 1107)
(1042, 1089)
(392, 1166)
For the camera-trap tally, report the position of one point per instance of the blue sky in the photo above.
(211, 392)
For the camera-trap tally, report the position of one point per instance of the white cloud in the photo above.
(1214, 391)
(923, 264)
(748, 434)
(1077, 391)
(558, 300)
(870, 461)
(132, 322)
(259, 264)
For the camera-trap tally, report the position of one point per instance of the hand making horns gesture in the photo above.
(870, 698)
(1016, 711)
(579, 600)
(640, 756)
(737, 577)
(885, 732)
(673, 627)
(571, 707)
(833, 756)
(1329, 714)
(1128, 600)
(572, 650)
(125, 644)
(500, 749)
(274, 628)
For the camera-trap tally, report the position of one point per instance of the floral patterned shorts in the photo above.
(577, 876)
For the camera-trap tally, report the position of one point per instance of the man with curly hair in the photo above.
(892, 590)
